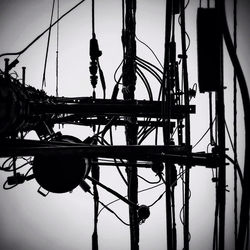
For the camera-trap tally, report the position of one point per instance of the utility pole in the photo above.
(129, 82)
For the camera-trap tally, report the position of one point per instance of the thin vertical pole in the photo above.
(57, 49)
(23, 76)
(187, 125)
(6, 70)
(220, 112)
(235, 129)
(166, 109)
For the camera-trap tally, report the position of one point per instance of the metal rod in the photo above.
(172, 154)
(220, 112)
(187, 124)
(166, 115)
(6, 68)
(120, 108)
(130, 203)
(81, 120)
(23, 76)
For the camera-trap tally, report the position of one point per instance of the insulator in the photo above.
(16, 179)
(173, 174)
(93, 68)
(115, 92)
(12, 64)
(93, 80)
(172, 52)
(94, 51)
(192, 93)
(143, 213)
(157, 167)
(60, 172)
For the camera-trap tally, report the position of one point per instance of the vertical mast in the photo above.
(166, 114)
(129, 82)
(187, 124)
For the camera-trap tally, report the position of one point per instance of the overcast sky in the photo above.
(29, 221)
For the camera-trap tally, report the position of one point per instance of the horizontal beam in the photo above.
(93, 108)
(172, 154)
(81, 120)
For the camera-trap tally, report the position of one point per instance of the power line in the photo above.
(47, 48)
(19, 53)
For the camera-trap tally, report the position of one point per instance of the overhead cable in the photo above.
(19, 53)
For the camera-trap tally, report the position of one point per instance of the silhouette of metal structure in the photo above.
(26, 108)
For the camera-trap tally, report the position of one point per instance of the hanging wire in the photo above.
(229, 136)
(186, 34)
(26, 174)
(150, 182)
(146, 189)
(234, 162)
(143, 128)
(8, 187)
(4, 163)
(146, 133)
(140, 191)
(115, 161)
(243, 224)
(202, 137)
(149, 69)
(150, 65)
(182, 208)
(118, 81)
(10, 166)
(110, 210)
(152, 69)
(146, 83)
(238, 169)
(47, 48)
(150, 50)
(110, 190)
(174, 183)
